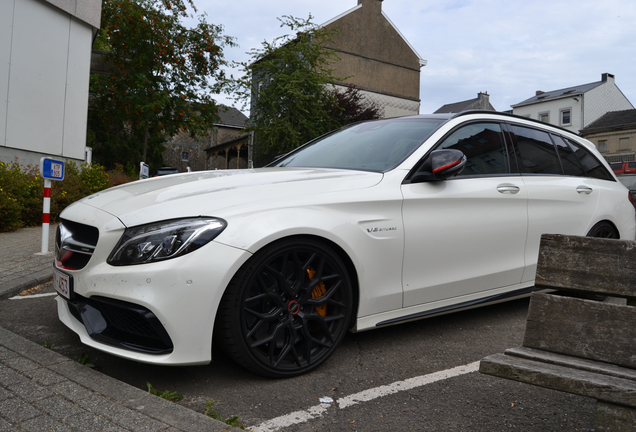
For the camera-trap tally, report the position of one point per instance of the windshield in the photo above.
(372, 146)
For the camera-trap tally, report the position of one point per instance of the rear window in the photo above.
(592, 166)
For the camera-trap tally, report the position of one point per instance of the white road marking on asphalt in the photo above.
(315, 411)
(32, 296)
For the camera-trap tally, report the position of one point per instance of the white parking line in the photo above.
(315, 411)
(32, 296)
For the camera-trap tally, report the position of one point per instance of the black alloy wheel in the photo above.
(603, 230)
(286, 309)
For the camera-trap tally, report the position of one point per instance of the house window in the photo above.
(602, 145)
(623, 143)
(566, 117)
(185, 156)
(544, 117)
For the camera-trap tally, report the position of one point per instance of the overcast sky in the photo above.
(508, 48)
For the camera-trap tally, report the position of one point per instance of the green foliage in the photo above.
(21, 194)
(85, 361)
(22, 191)
(48, 345)
(286, 81)
(167, 395)
(351, 107)
(163, 79)
(232, 421)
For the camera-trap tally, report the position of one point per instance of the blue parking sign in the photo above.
(51, 169)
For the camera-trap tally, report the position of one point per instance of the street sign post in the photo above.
(144, 170)
(50, 169)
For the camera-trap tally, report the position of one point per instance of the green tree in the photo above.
(350, 106)
(286, 81)
(163, 79)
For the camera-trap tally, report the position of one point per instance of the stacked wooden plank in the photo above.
(575, 344)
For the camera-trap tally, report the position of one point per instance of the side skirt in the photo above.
(498, 298)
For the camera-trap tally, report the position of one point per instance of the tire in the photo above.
(287, 309)
(603, 230)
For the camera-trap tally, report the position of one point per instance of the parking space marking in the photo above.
(26, 297)
(315, 411)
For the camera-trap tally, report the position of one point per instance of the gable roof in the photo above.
(561, 93)
(612, 121)
(230, 116)
(350, 11)
(480, 102)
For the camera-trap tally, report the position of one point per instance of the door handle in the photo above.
(508, 189)
(584, 190)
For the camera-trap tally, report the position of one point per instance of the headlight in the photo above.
(164, 240)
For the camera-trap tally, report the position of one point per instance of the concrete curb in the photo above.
(16, 286)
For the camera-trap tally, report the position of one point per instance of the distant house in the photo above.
(226, 145)
(45, 58)
(377, 58)
(575, 108)
(614, 134)
(482, 102)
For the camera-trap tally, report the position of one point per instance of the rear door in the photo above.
(561, 199)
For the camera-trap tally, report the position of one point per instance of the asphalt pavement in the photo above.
(42, 390)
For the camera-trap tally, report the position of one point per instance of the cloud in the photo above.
(508, 48)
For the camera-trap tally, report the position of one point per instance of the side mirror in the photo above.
(441, 165)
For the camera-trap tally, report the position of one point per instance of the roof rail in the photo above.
(481, 111)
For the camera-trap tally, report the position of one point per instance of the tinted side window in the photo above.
(570, 163)
(592, 166)
(483, 145)
(535, 152)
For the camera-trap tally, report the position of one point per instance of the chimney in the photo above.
(607, 77)
(483, 96)
(539, 92)
(376, 4)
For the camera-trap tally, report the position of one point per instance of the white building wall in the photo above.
(554, 107)
(604, 99)
(44, 72)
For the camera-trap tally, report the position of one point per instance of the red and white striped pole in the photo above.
(46, 215)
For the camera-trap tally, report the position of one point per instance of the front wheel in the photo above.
(286, 309)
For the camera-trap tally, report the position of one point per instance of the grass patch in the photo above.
(166, 394)
(232, 421)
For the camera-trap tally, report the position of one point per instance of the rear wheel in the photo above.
(286, 309)
(603, 230)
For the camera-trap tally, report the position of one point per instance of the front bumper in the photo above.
(160, 313)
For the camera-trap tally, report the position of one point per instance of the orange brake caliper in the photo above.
(318, 291)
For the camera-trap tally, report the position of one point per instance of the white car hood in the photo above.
(223, 192)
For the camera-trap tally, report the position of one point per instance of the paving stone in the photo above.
(5, 394)
(44, 423)
(21, 363)
(44, 376)
(6, 354)
(58, 407)
(90, 422)
(5, 426)
(16, 410)
(27, 389)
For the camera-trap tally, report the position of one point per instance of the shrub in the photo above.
(22, 191)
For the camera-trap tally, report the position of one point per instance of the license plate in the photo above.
(62, 283)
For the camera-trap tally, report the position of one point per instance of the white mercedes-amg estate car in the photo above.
(372, 225)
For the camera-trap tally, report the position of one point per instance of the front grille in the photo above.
(121, 324)
(74, 244)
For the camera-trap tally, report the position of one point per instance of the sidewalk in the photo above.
(41, 390)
